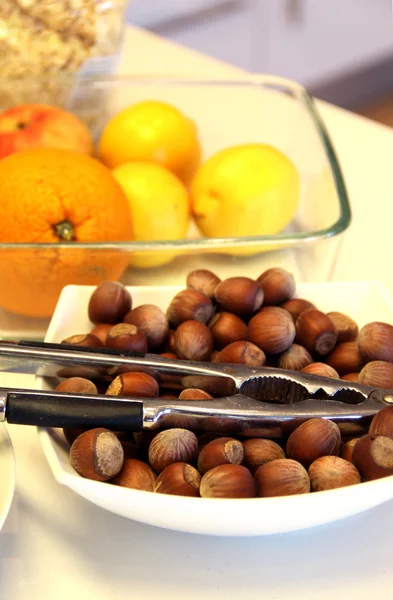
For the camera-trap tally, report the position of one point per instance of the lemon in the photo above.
(152, 131)
(247, 190)
(159, 204)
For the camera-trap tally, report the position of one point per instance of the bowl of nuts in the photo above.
(232, 481)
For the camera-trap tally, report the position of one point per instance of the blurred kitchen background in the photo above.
(341, 50)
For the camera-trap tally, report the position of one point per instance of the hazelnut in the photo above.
(170, 355)
(240, 295)
(204, 281)
(321, 369)
(152, 321)
(83, 339)
(354, 377)
(377, 373)
(214, 355)
(224, 450)
(373, 456)
(77, 385)
(194, 394)
(136, 384)
(345, 358)
(295, 358)
(312, 439)
(382, 423)
(227, 328)
(277, 284)
(272, 330)
(171, 341)
(244, 353)
(376, 342)
(71, 433)
(316, 332)
(282, 477)
(331, 472)
(178, 479)
(109, 303)
(228, 481)
(97, 454)
(172, 445)
(101, 331)
(206, 438)
(347, 328)
(143, 439)
(135, 474)
(193, 340)
(189, 304)
(295, 306)
(129, 448)
(126, 338)
(258, 451)
(168, 395)
(347, 449)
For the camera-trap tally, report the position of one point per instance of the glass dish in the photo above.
(262, 109)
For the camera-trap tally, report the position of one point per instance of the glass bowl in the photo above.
(249, 109)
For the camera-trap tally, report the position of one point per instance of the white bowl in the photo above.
(364, 301)
(7, 473)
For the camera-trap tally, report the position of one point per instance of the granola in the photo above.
(45, 38)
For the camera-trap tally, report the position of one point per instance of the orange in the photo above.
(152, 131)
(54, 196)
(159, 205)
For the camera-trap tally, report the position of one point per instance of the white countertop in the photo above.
(56, 546)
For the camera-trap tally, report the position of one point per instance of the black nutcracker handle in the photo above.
(52, 409)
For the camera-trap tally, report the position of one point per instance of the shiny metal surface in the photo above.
(253, 401)
(247, 416)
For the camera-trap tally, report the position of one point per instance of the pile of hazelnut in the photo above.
(237, 320)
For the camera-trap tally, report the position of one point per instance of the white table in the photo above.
(56, 546)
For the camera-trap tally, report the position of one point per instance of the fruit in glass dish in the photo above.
(29, 126)
(246, 190)
(159, 206)
(54, 196)
(155, 132)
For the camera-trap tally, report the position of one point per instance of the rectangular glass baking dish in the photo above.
(245, 109)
